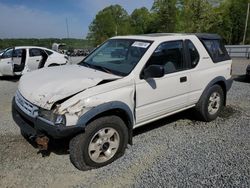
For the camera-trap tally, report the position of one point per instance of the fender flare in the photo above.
(114, 105)
(227, 84)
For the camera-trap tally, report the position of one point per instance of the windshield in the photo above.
(117, 56)
(7, 53)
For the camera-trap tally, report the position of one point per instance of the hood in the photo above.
(46, 86)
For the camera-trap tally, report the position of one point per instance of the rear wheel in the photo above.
(211, 103)
(104, 140)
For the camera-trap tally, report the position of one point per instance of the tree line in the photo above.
(224, 17)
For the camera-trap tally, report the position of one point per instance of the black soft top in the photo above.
(214, 46)
(208, 36)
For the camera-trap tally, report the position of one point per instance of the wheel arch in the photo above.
(117, 108)
(222, 82)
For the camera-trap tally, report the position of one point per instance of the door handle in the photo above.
(37, 60)
(183, 79)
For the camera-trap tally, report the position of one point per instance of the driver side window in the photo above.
(169, 55)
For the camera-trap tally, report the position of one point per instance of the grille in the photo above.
(26, 106)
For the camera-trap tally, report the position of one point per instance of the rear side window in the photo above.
(216, 49)
(34, 52)
(49, 52)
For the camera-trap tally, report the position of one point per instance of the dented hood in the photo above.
(46, 86)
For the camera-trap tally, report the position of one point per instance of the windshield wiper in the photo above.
(83, 63)
(104, 69)
(98, 67)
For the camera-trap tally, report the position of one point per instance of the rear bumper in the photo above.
(35, 126)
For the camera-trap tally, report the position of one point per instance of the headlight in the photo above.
(48, 115)
(60, 120)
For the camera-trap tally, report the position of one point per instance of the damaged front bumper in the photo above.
(34, 126)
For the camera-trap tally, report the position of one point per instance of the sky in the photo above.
(47, 18)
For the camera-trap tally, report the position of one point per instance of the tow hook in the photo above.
(42, 142)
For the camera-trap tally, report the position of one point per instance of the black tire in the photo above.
(79, 145)
(247, 78)
(203, 104)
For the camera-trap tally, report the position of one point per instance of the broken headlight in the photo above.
(54, 118)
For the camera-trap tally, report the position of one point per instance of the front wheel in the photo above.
(211, 103)
(104, 140)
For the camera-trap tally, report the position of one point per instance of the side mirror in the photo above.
(154, 71)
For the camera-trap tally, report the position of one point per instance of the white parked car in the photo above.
(125, 83)
(22, 59)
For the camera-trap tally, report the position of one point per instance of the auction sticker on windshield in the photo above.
(140, 44)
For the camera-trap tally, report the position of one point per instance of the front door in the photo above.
(156, 97)
(6, 63)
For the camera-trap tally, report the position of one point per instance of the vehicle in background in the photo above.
(22, 59)
(248, 72)
(58, 47)
(78, 52)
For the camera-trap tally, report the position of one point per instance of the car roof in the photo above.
(158, 36)
(28, 47)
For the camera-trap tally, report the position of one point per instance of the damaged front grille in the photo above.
(25, 105)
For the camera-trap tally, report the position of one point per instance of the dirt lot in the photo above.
(176, 151)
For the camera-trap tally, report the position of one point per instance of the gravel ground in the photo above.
(177, 151)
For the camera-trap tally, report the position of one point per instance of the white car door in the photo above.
(6, 63)
(156, 97)
(34, 58)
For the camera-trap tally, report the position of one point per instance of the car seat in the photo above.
(19, 68)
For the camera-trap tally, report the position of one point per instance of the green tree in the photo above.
(111, 21)
(233, 13)
(140, 20)
(198, 16)
(164, 16)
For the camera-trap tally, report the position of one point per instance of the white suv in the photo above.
(125, 83)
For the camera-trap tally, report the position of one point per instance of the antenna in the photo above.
(67, 27)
